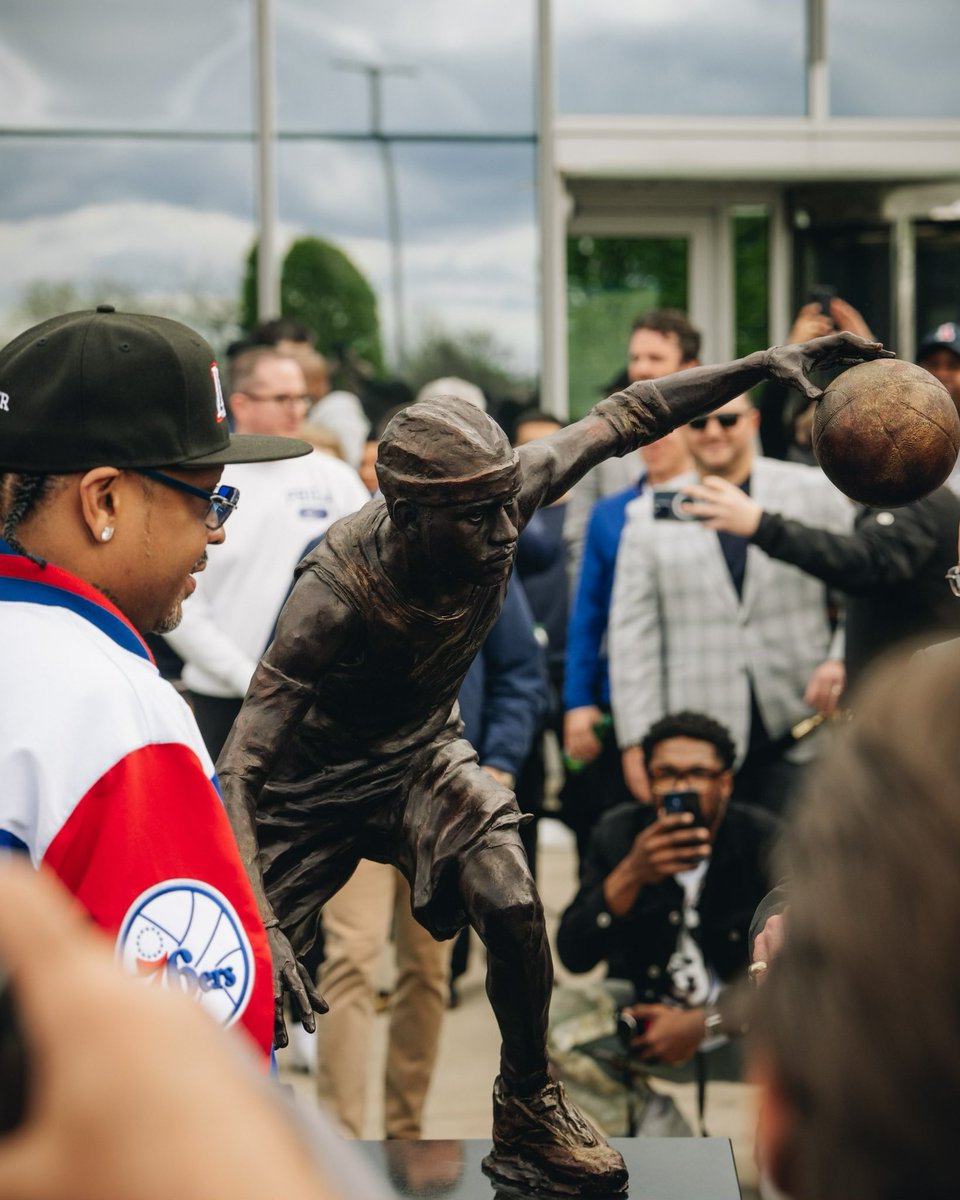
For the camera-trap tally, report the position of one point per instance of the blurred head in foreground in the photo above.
(857, 1037)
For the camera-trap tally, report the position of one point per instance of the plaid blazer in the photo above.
(681, 637)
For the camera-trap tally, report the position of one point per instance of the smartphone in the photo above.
(669, 506)
(678, 802)
(822, 294)
(13, 1062)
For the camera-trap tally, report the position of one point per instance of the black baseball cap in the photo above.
(945, 336)
(103, 388)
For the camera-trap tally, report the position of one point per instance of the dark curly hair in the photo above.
(672, 320)
(691, 725)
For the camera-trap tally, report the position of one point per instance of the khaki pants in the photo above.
(357, 923)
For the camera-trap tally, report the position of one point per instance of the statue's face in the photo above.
(475, 542)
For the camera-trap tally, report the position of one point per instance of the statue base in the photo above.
(659, 1168)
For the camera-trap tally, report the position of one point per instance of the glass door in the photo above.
(613, 275)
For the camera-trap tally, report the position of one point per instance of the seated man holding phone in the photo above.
(668, 891)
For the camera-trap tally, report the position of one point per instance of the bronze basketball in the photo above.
(886, 432)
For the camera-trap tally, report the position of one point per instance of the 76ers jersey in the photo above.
(106, 781)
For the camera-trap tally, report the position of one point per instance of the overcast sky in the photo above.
(164, 216)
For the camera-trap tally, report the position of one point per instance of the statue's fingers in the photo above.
(803, 385)
(317, 1002)
(294, 978)
(280, 1038)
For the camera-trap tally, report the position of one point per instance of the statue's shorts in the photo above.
(424, 809)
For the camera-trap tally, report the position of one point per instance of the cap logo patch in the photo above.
(221, 407)
(4, 402)
(947, 332)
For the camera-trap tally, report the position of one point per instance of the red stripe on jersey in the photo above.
(154, 816)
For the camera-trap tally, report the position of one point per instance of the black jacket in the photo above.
(638, 945)
(891, 567)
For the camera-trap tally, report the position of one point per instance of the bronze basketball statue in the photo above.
(348, 744)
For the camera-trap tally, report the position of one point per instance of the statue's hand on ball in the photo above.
(791, 364)
(290, 976)
(885, 432)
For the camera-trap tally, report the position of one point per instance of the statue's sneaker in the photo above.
(543, 1142)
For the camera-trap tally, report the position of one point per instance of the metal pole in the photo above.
(375, 73)
(553, 356)
(396, 253)
(268, 276)
(818, 72)
(905, 287)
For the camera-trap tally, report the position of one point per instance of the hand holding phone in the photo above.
(676, 841)
(688, 801)
(823, 294)
(672, 506)
(683, 801)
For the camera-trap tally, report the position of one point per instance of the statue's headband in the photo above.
(441, 493)
(445, 451)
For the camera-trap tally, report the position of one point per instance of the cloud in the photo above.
(141, 244)
(106, 62)
(473, 65)
(484, 282)
(744, 58)
(904, 66)
(24, 92)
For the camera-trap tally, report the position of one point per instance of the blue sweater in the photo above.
(586, 680)
(504, 695)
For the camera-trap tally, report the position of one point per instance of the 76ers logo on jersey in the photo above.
(184, 934)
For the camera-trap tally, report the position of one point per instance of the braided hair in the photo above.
(22, 494)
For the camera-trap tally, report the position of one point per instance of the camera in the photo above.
(629, 1027)
(669, 506)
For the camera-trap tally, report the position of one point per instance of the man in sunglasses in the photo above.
(287, 506)
(348, 745)
(703, 621)
(113, 437)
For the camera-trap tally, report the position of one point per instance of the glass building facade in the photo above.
(718, 158)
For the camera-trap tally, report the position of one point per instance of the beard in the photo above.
(170, 620)
(174, 614)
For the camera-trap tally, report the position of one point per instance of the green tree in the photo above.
(321, 286)
(474, 355)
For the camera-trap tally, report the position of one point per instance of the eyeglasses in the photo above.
(953, 578)
(673, 775)
(283, 398)
(724, 420)
(222, 502)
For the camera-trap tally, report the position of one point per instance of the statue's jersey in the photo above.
(106, 782)
(397, 683)
(375, 767)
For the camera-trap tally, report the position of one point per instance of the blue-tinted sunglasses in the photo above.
(222, 502)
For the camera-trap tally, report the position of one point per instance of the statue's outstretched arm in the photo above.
(644, 412)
